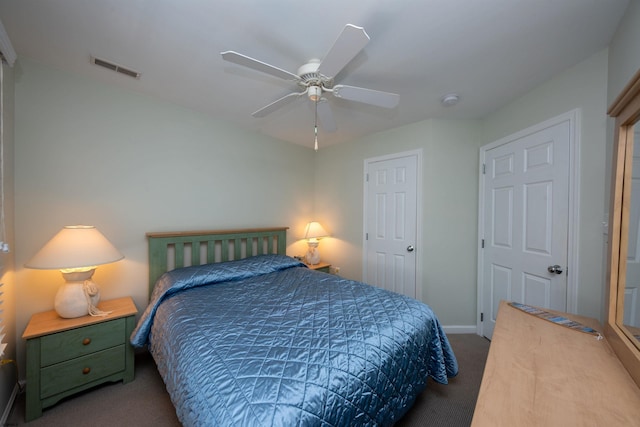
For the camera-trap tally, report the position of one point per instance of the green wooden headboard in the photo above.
(169, 250)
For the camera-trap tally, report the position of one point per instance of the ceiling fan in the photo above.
(315, 78)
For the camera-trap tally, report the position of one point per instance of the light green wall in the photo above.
(88, 153)
(624, 62)
(8, 371)
(449, 211)
(450, 185)
(582, 86)
(624, 51)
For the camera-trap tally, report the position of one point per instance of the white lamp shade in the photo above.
(315, 231)
(75, 246)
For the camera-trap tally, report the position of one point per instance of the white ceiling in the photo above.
(487, 51)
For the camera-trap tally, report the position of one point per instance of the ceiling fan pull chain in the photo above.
(315, 128)
(315, 147)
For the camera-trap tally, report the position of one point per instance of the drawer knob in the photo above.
(86, 341)
(85, 371)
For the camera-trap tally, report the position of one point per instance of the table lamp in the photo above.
(76, 251)
(313, 233)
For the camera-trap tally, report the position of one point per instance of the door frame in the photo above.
(419, 249)
(573, 117)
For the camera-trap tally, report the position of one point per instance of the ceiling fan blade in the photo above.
(246, 61)
(351, 40)
(367, 96)
(277, 104)
(325, 116)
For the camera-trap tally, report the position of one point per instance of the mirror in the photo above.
(622, 322)
(631, 294)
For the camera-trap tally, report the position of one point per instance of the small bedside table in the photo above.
(65, 356)
(321, 266)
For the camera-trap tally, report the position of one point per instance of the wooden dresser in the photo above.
(542, 374)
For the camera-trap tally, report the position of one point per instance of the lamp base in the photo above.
(313, 256)
(71, 301)
(78, 295)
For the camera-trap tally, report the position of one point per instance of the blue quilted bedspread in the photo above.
(266, 341)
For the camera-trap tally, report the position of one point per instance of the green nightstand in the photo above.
(325, 267)
(65, 356)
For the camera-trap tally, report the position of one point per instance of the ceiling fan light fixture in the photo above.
(314, 93)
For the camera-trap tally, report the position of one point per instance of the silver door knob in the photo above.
(555, 269)
(410, 248)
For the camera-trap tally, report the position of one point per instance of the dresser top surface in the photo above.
(541, 373)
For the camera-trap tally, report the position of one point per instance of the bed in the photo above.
(244, 335)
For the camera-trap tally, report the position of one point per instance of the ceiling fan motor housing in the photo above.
(310, 77)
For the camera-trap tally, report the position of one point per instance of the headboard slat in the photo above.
(179, 255)
(195, 252)
(211, 251)
(225, 250)
(269, 242)
(167, 249)
(237, 248)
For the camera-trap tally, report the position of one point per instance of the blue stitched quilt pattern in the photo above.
(266, 341)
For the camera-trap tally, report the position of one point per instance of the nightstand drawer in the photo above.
(76, 372)
(78, 342)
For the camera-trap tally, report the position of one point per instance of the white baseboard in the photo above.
(9, 407)
(460, 329)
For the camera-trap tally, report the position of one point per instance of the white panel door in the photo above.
(526, 213)
(391, 224)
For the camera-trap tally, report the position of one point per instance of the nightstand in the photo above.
(65, 356)
(321, 266)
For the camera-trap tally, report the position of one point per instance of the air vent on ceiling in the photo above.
(115, 67)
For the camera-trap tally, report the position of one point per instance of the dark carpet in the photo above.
(145, 402)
